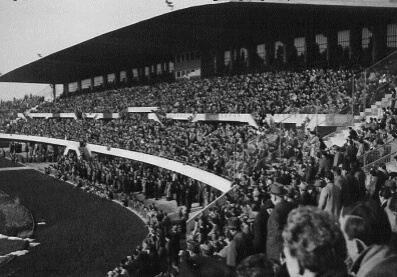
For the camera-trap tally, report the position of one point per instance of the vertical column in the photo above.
(117, 78)
(355, 43)
(149, 75)
(79, 88)
(251, 52)
(128, 76)
(232, 57)
(270, 51)
(66, 89)
(380, 41)
(54, 91)
(141, 74)
(92, 83)
(310, 41)
(105, 80)
(289, 50)
(332, 45)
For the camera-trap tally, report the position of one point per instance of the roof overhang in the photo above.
(197, 28)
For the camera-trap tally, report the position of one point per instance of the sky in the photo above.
(32, 27)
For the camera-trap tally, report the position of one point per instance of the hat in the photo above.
(277, 189)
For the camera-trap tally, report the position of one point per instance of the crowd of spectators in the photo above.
(116, 178)
(31, 152)
(289, 187)
(23, 104)
(269, 92)
(218, 147)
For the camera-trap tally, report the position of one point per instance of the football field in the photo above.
(83, 235)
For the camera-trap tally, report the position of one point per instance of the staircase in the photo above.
(339, 137)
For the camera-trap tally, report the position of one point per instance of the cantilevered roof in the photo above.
(213, 26)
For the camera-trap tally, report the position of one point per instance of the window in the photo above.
(343, 49)
(243, 55)
(98, 81)
(344, 39)
(72, 86)
(300, 46)
(86, 83)
(322, 43)
(227, 58)
(135, 73)
(158, 68)
(172, 67)
(111, 77)
(279, 51)
(321, 47)
(123, 76)
(392, 35)
(178, 74)
(261, 52)
(366, 37)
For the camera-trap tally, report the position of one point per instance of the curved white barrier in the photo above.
(201, 175)
(248, 118)
(70, 145)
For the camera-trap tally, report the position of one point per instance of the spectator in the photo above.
(239, 247)
(276, 222)
(313, 244)
(330, 197)
(391, 211)
(255, 266)
(260, 226)
(367, 232)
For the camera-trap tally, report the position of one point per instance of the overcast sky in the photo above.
(32, 27)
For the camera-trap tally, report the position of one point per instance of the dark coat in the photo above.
(260, 230)
(275, 226)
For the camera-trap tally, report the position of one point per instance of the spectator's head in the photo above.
(313, 243)
(337, 170)
(277, 193)
(255, 266)
(233, 225)
(391, 211)
(364, 224)
(328, 177)
(384, 194)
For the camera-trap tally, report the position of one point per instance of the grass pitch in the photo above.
(83, 235)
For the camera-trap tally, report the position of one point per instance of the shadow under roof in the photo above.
(204, 27)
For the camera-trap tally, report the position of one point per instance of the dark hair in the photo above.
(329, 175)
(337, 170)
(255, 266)
(393, 203)
(385, 192)
(368, 222)
(315, 239)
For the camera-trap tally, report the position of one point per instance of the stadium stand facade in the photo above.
(234, 97)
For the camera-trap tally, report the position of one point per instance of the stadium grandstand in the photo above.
(235, 130)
